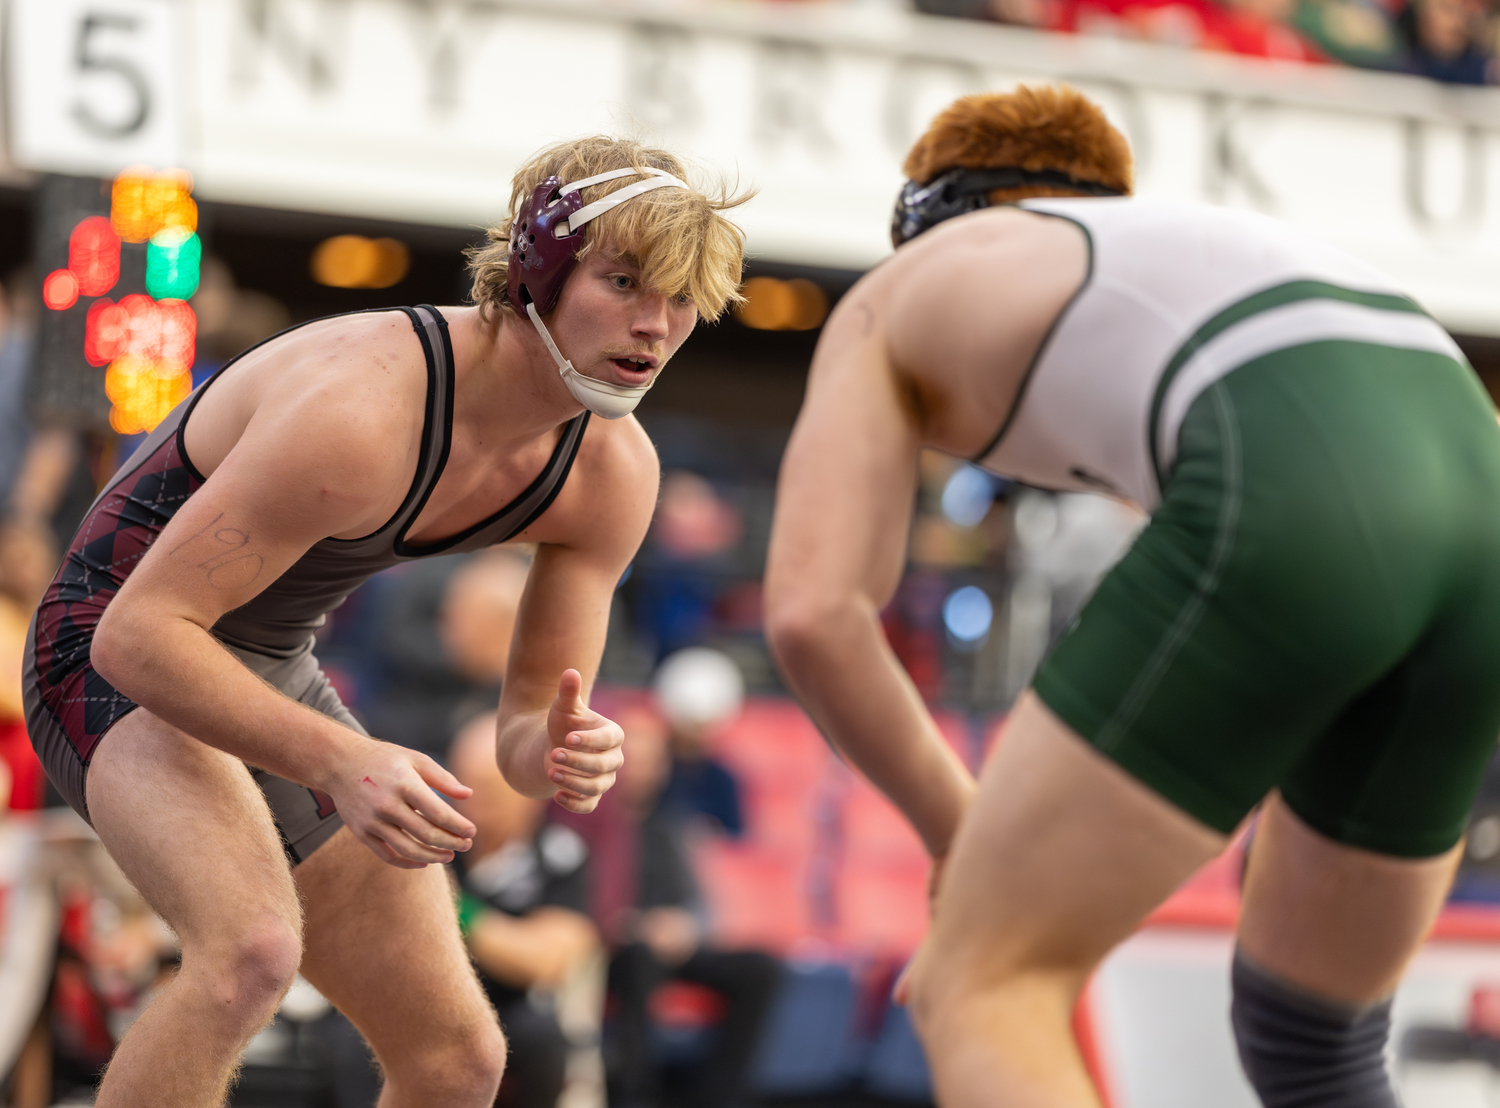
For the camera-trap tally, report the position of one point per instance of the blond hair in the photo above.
(677, 236)
(1036, 127)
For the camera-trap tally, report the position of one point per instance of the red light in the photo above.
(60, 290)
(94, 255)
(104, 331)
(163, 333)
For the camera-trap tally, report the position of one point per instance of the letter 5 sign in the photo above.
(95, 85)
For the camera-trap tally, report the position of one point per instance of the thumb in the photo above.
(440, 779)
(570, 693)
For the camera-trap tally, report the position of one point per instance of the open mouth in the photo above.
(634, 367)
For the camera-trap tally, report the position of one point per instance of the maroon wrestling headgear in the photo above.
(544, 244)
(546, 236)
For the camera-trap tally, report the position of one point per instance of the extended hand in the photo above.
(385, 795)
(584, 750)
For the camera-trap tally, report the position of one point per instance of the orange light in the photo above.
(144, 202)
(356, 262)
(60, 290)
(94, 255)
(143, 391)
(775, 305)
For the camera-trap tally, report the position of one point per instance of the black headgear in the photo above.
(962, 190)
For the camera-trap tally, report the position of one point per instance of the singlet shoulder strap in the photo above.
(526, 508)
(437, 428)
(521, 512)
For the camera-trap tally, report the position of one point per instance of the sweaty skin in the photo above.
(928, 350)
(318, 435)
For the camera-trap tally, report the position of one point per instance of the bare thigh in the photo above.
(1061, 855)
(383, 944)
(1335, 920)
(190, 829)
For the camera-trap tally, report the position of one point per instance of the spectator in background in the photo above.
(1260, 28)
(523, 891)
(523, 909)
(684, 566)
(446, 626)
(231, 318)
(16, 342)
(444, 636)
(1450, 40)
(664, 937)
(699, 692)
(27, 559)
(1355, 32)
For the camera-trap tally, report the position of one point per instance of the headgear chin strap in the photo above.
(603, 398)
(544, 244)
(960, 191)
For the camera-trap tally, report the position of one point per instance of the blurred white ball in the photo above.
(698, 687)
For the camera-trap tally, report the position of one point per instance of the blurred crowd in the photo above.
(1455, 41)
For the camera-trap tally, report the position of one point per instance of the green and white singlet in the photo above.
(1177, 296)
(1314, 606)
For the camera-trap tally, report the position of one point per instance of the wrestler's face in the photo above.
(613, 329)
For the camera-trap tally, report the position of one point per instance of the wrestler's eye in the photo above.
(682, 299)
(621, 280)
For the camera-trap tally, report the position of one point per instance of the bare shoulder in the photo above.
(610, 494)
(981, 289)
(945, 328)
(351, 387)
(995, 256)
(618, 468)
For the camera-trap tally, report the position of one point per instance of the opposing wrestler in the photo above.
(173, 695)
(1310, 619)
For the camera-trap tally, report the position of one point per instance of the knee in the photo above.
(482, 1055)
(1291, 1043)
(251, 969)
(463, 1069)
(950, 998)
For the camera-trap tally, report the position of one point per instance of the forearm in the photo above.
(521, 745)
(540, 949)
(844, 672)
(179, 672)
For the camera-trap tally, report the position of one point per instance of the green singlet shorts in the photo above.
(1314, 607)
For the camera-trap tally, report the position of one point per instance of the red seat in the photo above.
(685, 1006)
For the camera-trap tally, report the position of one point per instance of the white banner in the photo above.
(95, 85)
(420, 110)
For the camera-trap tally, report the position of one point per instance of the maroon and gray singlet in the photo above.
(70, 707)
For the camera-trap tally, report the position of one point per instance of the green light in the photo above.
(172, 260)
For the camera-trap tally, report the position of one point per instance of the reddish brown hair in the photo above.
(1035, 127)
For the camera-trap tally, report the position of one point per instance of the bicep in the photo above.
(278, 491)
(848, 480)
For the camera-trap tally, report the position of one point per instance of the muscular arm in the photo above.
(838, 547)
(548, 741)
(540, 948)
(305, 467)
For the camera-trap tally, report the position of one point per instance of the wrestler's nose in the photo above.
(651, 320)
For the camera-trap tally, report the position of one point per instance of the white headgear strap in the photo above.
(603, 398)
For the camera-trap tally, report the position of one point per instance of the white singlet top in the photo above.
(1176, 296)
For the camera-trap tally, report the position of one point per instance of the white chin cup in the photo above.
(603, 398)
